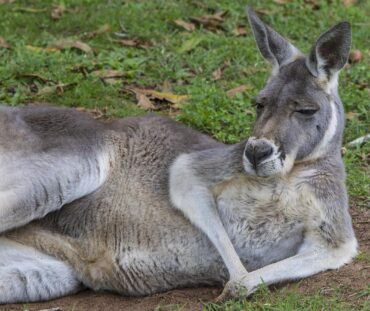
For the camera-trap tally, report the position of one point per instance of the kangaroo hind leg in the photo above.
(27, 275)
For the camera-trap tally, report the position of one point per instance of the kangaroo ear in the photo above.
(272, 46)
(330, 52)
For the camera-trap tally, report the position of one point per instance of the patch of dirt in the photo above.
(350, 280)
(86, 301)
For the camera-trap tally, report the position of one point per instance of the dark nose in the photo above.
(256, 153)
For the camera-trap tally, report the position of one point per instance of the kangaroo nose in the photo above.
(258, 152)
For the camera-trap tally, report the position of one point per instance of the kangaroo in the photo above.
(142, 205)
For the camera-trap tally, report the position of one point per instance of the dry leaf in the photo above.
(352, 115)
(282, 1)
(57, 11)
(144, 102)
(166, 86)
(348, 3)
(217, 74)
(6, 1)
(240, 89)
(240, 31)
(95, 113)
(127, 42)
(314, 4)
(4, 44)
(355, 56)
(175, 100)
(40, 49)
(212, 22)
(264, 11)
(167, 96)
(103, 29)
(133, 43)
(108, 75)
(186, 25)
(63, 44)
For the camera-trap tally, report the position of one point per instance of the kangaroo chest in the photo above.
(264, 219)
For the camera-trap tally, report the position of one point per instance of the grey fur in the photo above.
(143, 205)
(272, 45)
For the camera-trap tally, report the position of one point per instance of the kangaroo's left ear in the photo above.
(330, 52)
(272, 45)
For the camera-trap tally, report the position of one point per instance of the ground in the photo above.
(197, 62)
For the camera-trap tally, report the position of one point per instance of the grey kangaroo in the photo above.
(143, 204)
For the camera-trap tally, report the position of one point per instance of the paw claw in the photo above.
(232, 290)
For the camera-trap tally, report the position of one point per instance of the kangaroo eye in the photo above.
(307, 112)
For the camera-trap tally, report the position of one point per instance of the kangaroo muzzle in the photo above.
(263, 157)
(258, 151)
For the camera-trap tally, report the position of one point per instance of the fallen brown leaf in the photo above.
(212, 22)
(240, 31)
(108, 75)
(4, 44)
(352, 115)
(166, 87)
(57, 11)
(144, 102)
(95, 113)
(167, 96)
(239, 89)
(315, 5)
(63, 44)
(217, 74)
(103, 29)
(133, 43)
(174, 99)
(186, 25)
(264, 11)
(282, 1)
(355, 56)
(348, 3)
(127, 42)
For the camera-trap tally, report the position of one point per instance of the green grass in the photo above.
(264, 300)
(186, 61)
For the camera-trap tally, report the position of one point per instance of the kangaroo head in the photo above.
(299, 113)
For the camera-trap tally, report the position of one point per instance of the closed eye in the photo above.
(307, 112)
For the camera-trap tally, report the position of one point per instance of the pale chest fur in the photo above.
(266, 219)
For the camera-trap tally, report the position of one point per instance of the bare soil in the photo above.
(349, 280)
